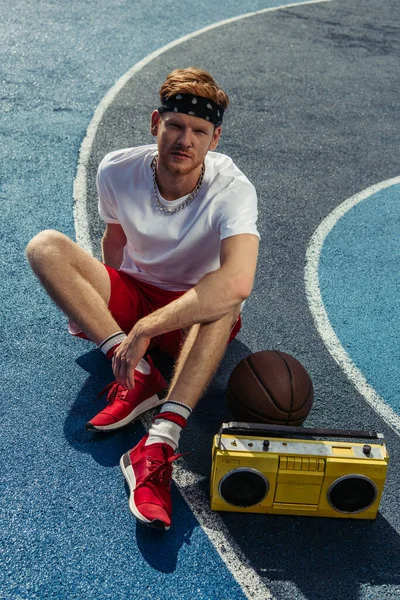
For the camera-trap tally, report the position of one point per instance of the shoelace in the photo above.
(115, 392)
(162, 472)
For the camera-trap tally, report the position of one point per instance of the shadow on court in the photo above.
(107, 448)
(159, 549)
(319, 554)
(311, 553)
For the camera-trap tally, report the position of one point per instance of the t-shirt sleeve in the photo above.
(106, 206)
(238, 211)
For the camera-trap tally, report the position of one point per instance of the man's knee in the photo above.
(45, 246)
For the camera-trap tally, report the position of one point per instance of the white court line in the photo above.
(211, 523)
(251, 583)
(320, 315)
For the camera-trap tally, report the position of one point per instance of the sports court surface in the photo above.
(314, 123)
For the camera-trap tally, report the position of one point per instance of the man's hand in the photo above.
(127, 356)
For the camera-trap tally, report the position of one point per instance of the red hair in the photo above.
(193, 81)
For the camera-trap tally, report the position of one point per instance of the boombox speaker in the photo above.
(297, 471)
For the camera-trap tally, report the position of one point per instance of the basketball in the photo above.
(270, 387)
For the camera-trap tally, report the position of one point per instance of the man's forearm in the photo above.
(211, 299)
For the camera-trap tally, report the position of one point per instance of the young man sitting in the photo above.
(179, 258)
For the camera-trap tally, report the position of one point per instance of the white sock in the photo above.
(110, 344)
(143, 366)
(168, 424)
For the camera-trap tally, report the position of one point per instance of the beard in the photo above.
(178, 167)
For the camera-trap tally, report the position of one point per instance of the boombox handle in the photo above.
(261, 429)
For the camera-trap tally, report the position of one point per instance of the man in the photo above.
(179, 257)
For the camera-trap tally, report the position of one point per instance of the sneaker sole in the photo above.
(130, 479)
(143, 407)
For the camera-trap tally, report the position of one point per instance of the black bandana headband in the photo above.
(196, 106)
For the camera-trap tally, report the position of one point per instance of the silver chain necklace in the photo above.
(189, 199)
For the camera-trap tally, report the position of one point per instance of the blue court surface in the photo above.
(314, 123)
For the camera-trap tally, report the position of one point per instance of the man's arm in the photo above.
(112, 245)
(216, 294)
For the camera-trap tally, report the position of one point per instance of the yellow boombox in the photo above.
(287, 470)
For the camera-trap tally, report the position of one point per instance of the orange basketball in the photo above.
(270, 387)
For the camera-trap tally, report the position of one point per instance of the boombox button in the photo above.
(367, 449)
(266, 445)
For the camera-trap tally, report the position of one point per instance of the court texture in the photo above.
(314, 123)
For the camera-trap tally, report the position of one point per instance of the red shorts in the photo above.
(132, 299)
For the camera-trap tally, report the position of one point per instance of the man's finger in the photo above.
(122, 371)
(130, 378)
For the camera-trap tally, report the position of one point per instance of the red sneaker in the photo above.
(126, 405)
(148, 472)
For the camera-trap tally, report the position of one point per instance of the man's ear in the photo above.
(155, 120)
(215, 138)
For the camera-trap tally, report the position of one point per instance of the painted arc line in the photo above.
(252, 585)
(250, 582)
(320, 314)
(80, 185)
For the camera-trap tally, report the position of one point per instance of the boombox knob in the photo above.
(266, 445)
(367, 449)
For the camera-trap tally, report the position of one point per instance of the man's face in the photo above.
(183, 140)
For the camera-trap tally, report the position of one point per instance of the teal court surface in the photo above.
(314, 124)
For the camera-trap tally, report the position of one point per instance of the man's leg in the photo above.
(198, 360)
(201, 353)
(78, 283)
(148, 467)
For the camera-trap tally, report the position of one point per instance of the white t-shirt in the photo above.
(175, 251)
